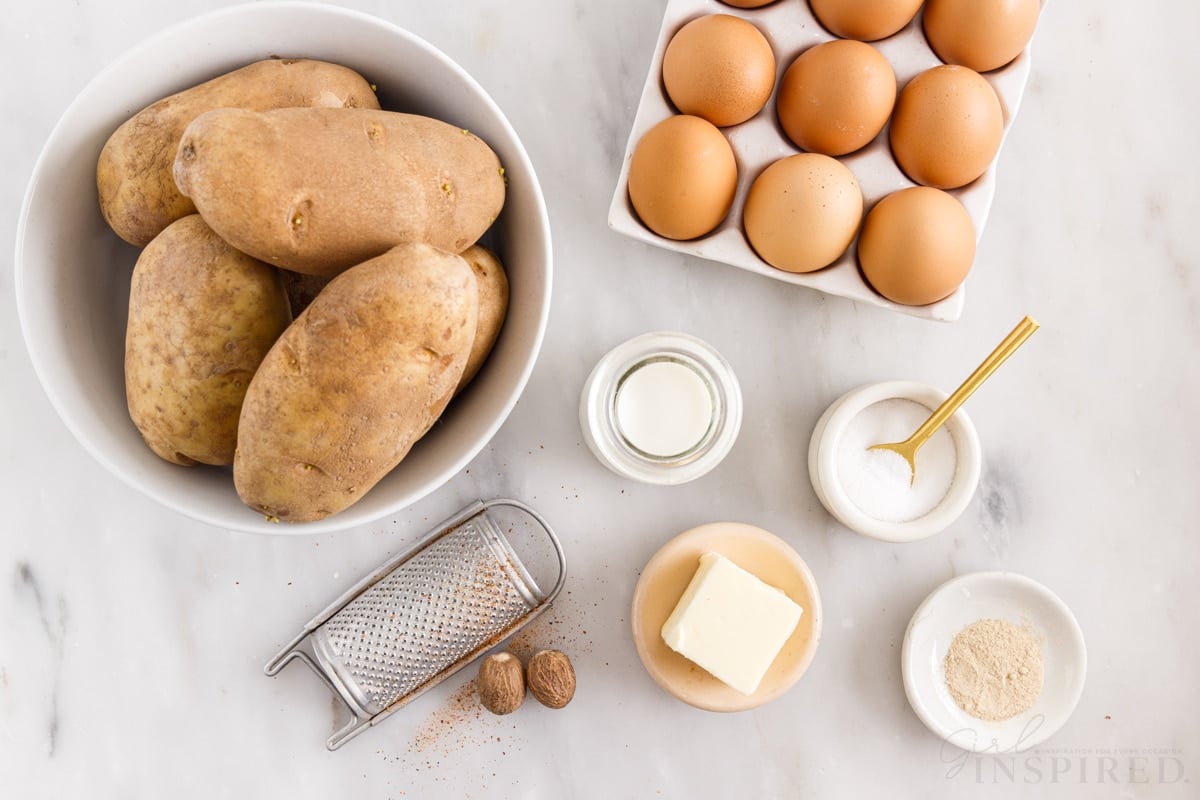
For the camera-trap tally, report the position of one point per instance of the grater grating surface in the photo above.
(431, 611)
(422, 616)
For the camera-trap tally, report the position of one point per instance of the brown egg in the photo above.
(802, 212)
(980, 34)
(866, 20)
(836, 97)
(947, 127)
(719, 67)
(916, 246)
(682, 177)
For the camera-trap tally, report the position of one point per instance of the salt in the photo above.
(878, 481)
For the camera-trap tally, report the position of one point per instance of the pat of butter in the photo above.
(731, 623)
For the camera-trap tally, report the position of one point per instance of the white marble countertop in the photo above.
(132, 640)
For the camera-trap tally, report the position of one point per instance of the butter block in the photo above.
(731, 623)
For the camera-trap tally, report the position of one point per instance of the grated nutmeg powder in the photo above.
(994, 669)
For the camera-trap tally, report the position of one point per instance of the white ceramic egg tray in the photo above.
(791, 28)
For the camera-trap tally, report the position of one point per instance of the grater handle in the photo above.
(545, 526)
(303, 648)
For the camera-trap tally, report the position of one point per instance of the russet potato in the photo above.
(493, 306)
(137, 190)
(354, 382)
(201, 318)
(319, 190)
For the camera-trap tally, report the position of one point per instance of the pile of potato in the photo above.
(310, 295)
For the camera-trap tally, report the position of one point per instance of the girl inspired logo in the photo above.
(1017, 764)
(960, 745)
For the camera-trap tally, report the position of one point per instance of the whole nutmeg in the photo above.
(551, 678)
(501, 683)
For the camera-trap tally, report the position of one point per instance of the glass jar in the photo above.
(661, 408)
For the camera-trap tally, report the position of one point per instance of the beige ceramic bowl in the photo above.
(663, 582)
(72, 272)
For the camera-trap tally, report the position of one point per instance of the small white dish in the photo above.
(823, 462)
(993, 595)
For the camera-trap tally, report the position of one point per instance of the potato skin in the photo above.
(493, 307)
(318, 190)
(138, 196)
(201, 318)
(359, 377)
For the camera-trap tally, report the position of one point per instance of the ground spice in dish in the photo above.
(994, 669)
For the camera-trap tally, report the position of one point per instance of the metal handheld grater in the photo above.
(423, 615)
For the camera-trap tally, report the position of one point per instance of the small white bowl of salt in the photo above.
(873, 492)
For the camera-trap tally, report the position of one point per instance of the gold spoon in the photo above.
(909, 447)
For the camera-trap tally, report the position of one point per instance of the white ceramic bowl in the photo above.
(993, 595)
(823, 462)
(72, 272)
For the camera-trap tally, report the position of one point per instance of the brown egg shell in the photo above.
(916, 246)
(748, 3)
(981, 34)
(947, 127)
(836, 97)
(865, 20)
(719, 67)
(682, 177)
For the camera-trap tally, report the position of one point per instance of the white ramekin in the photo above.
(823, 462)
